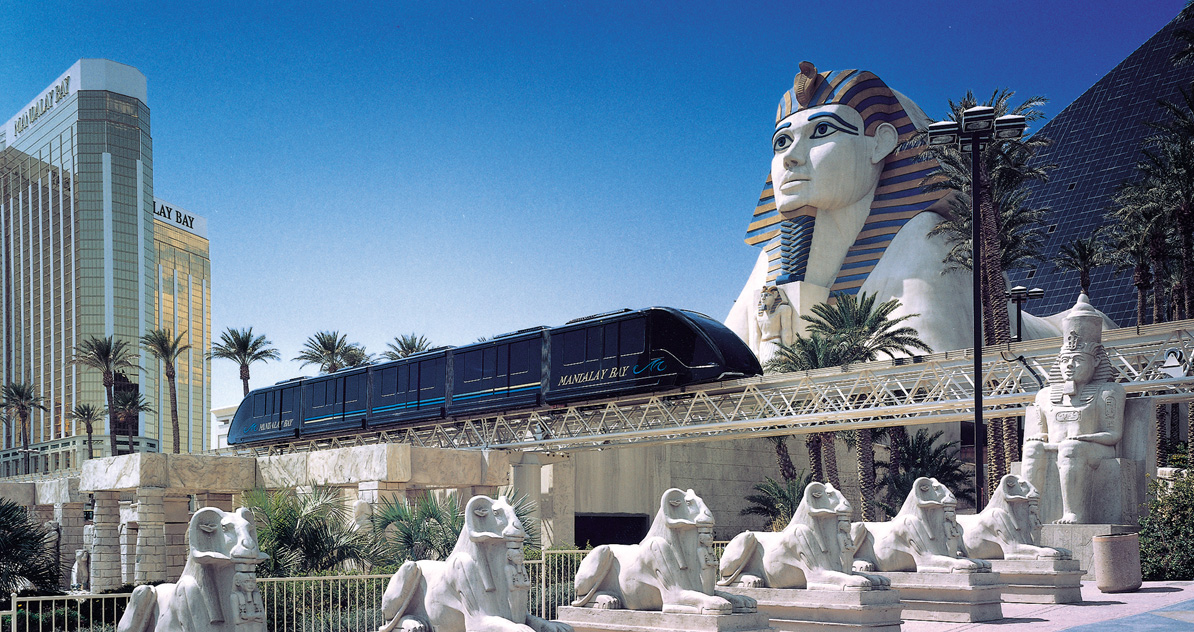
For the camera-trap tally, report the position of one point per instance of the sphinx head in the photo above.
(833, 134)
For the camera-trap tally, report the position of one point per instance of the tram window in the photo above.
(403, 378)
(594, 346)
(523, 356)
(319, 397)
(259, 405)
(472, 366)
(503, 360)
(352, 387)
(269, 403)
(335, 390)
(389, 381)
(429, 377)
(489, 363)
(288, 400)
(633, 337)
(574, 347)
(611, 340)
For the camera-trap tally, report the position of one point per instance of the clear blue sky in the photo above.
(470, 168)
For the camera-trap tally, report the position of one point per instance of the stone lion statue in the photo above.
(80, 573)
(808, 553)
(1004, 528)
(663, 572)
(917, 539)
(223, 550)
(481, 587)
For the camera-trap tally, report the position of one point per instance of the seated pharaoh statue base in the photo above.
(811, 552)
(1077, 424)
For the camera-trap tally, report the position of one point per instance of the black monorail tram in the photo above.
(600, 356)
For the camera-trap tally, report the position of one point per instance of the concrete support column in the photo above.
(150, 563)
(526, 478)
(177, 510)
(557, 504)
(105, 557)
(128, 552)
(70, 516)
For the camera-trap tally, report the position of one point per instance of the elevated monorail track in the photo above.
(923, 390)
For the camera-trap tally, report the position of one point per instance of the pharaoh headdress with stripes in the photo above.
(898, 198)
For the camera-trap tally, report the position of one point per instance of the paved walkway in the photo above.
(1156, 607)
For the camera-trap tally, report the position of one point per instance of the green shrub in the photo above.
(1167, 530)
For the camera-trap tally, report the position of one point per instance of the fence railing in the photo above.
(341, 603)
(70, 613)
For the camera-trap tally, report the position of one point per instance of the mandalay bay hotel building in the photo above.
(88, 251)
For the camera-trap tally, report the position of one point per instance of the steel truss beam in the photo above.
(928, 389)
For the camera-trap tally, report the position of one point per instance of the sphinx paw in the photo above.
(606, 602)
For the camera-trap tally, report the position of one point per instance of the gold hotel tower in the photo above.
(86, 251)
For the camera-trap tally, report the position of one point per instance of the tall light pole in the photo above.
(977, 127)
(1021, 295)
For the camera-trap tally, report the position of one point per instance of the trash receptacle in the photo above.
(1117, 562)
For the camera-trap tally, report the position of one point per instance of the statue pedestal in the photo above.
(956, 597)
(1077, 538)
(1040, 581)
(604, 620)
(799, 610)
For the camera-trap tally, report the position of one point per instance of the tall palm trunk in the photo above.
(108, 382)
(1185, 223)
(813, 443)
(1175, 414)
(996, 454)
(829, 458)
(1141, 278)
(244, 377)
(1011, 440)
(866, 473)
(898, 437)
(23, 417)
(170, 374)
(1159, 419)
(783, 458)
(997, 321)
(90, 452)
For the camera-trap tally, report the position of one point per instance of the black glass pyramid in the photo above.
(1096, 144)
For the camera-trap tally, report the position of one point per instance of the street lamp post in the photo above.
(976, 127)
(1021, 295)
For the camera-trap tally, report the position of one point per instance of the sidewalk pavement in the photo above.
(1156, 607)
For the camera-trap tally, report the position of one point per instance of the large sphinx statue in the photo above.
(920, 538)
(809, 553)
(218, 588)
(663, 572)
(844, 210)
(481, 587)
(1004, 528)
(1078, 420)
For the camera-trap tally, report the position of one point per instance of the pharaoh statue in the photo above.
(1078, 420)
(845, 210)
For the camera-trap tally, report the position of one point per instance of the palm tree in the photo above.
(921, 456)
(240, 346)
(422, 528)
(1082, 255)
(1004, 169)
(408, 345)
(805, 354)
(25, 560)
(861, 330)
(305, 533)
(1185, 37)
(108, 356)
(357, 356)
(163, 345)
(7, 420)
(326, 349)
(129, 405)
(777, 501)
(1168, 164)
(782, 458)
(20, 398)
(1141, 227)
(88, 415)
